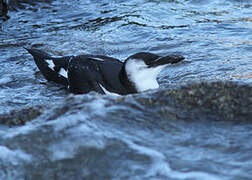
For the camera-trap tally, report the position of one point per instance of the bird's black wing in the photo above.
(104, 59)
(84, 75)
(109, 70)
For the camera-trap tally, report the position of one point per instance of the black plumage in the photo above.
(85, 73)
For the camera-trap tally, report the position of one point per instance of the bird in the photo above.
(82, 74)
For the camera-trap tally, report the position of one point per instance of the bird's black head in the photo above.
(153, 60)
(142, 69)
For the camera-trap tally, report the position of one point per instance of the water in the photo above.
(133, 140)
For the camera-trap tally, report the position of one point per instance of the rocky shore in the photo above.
(216, 100)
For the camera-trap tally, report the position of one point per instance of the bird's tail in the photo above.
(53, 69)
(38, 53)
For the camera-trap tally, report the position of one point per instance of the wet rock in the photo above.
(224, 100)
(20, 117)
(214, 100)
(205, 100)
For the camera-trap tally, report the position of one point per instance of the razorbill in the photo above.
(106, 75)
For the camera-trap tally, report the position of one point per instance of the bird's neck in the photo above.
(129, 86)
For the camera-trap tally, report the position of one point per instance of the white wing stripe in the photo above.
(50, 64)
(63, 72)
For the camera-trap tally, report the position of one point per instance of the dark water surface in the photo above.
(214, 36)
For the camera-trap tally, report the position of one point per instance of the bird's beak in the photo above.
(171, 59)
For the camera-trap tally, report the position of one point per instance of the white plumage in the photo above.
(141, 75)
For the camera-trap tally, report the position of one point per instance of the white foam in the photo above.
(141, 75)
(97, 106)
(50, 63)
(63, 72)
(87, 135)
(12, 132)
(63, 150)
(78, 131)
(13, 156)
(64, 123)
(160, 165)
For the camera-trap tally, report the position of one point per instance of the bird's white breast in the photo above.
(141, 75)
